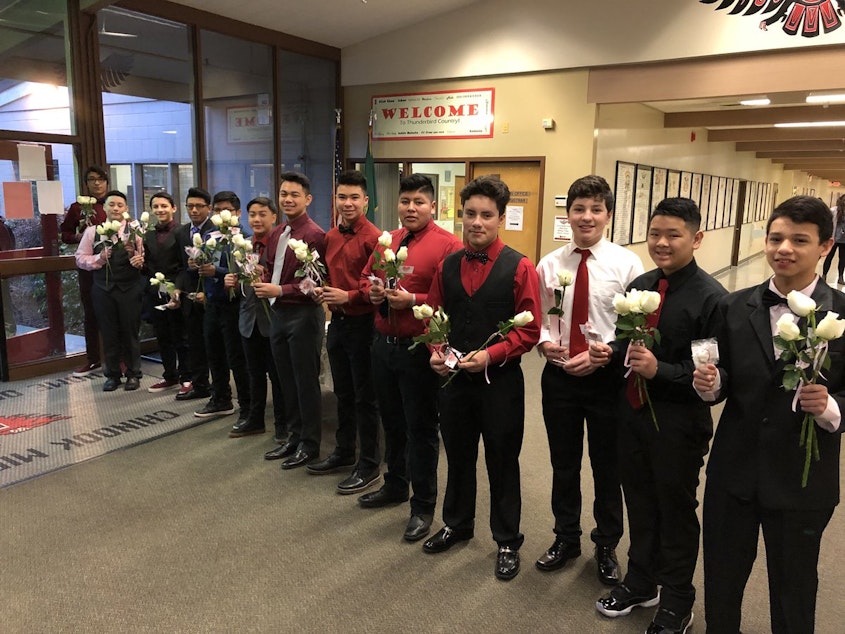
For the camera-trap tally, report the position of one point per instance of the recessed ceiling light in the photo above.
(812, 124)
(763, 101)
(837, 98)
(169, 132)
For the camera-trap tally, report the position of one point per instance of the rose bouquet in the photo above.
(203, 252)
(108, 238)
(804, 349)
(88, 217)
(633, 310)
(437, 326)
(312, 270)
(502, 329)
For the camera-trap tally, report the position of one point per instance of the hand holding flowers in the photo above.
(632, 322)
(806, 352)
(437, 326)
(167, 289)
(392, 263)
(312, 270)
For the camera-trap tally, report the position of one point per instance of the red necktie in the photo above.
(580, 305)
(631, 392)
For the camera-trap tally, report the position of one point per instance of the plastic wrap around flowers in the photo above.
(312, 270)
(804, 348)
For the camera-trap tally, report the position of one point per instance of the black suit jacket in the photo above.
(186, 279)
(756, 452)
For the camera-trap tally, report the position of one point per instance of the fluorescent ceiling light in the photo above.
(812, 124)
(838, 98)
(169, 132)
(763, 101)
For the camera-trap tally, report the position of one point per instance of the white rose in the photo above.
(417, 310)
(145, 217)
(787, 328)
(402, 254)
(800, 304)
(82, 200)
(197, 240)
(295, 244)
(385, 239)
(650, 301)
(525, 317)
(426, 310)
(634, 299)
(830, 327)
(238, 240)
(216, 220)
(226, 216)
(160, 277)
(154, 281)
(101, 230)
(301, 253)
(126, 215)
(620, 304)
(564, 278)
(238, 255)
(115, 225)
(441, 316)
(247, 246)
(389, 255)
(211, 243)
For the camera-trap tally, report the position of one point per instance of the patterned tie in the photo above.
(481, 256)
(580, 305)
(632, 394)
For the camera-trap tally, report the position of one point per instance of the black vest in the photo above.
(118, 272)
(476, 318)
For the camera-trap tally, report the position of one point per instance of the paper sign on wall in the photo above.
(31, 162)
(49, 196)
(513, 217)
(17, 199)
(562, 230)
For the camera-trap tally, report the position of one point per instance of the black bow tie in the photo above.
(770, 298)
(346, 229)
(481, 256)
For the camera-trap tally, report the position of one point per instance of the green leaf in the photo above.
(790, 381)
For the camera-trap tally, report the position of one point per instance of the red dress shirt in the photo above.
(346, 256)
(301, 228)
(425, 252)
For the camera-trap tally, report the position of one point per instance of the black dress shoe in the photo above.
(299, 459)
(608, 565)
(132, 383)
(417, 528)
(383, 497)
(445, 538)
(507, 563)
(245, 427)
(358, 481)
(194, 392)
(332, 463)
(558, 554)
(111, 384)
(282, 451)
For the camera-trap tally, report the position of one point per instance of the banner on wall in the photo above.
(244, 124)
(453, 114)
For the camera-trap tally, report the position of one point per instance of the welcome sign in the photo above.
(455, 114)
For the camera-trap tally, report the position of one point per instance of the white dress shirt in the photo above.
(611, 268)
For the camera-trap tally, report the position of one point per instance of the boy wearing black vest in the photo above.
(479, 287)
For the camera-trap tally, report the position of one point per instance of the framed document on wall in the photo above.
(704, 205)
(695, 190)
(624, 212)
(734, 202)
(642, 203)
(686, 185)
(658, 185)
(726, 212)
(673, 183)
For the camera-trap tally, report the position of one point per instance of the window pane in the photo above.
(307, 98)
(33, 79)
(147, 99)
(237, 85)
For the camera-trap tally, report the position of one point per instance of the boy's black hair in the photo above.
(804, 209)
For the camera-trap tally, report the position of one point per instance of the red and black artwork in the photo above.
(809, 18)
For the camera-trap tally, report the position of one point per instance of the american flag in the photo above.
(338, 161)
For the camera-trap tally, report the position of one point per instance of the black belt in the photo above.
(397, 341)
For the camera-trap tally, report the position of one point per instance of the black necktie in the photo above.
(770, 298)
(481, 256)
(346, 229)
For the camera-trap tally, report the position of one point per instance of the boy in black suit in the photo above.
(755, 467)
(659, 468)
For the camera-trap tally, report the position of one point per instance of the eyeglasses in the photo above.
(96, 180)
(196, 205)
